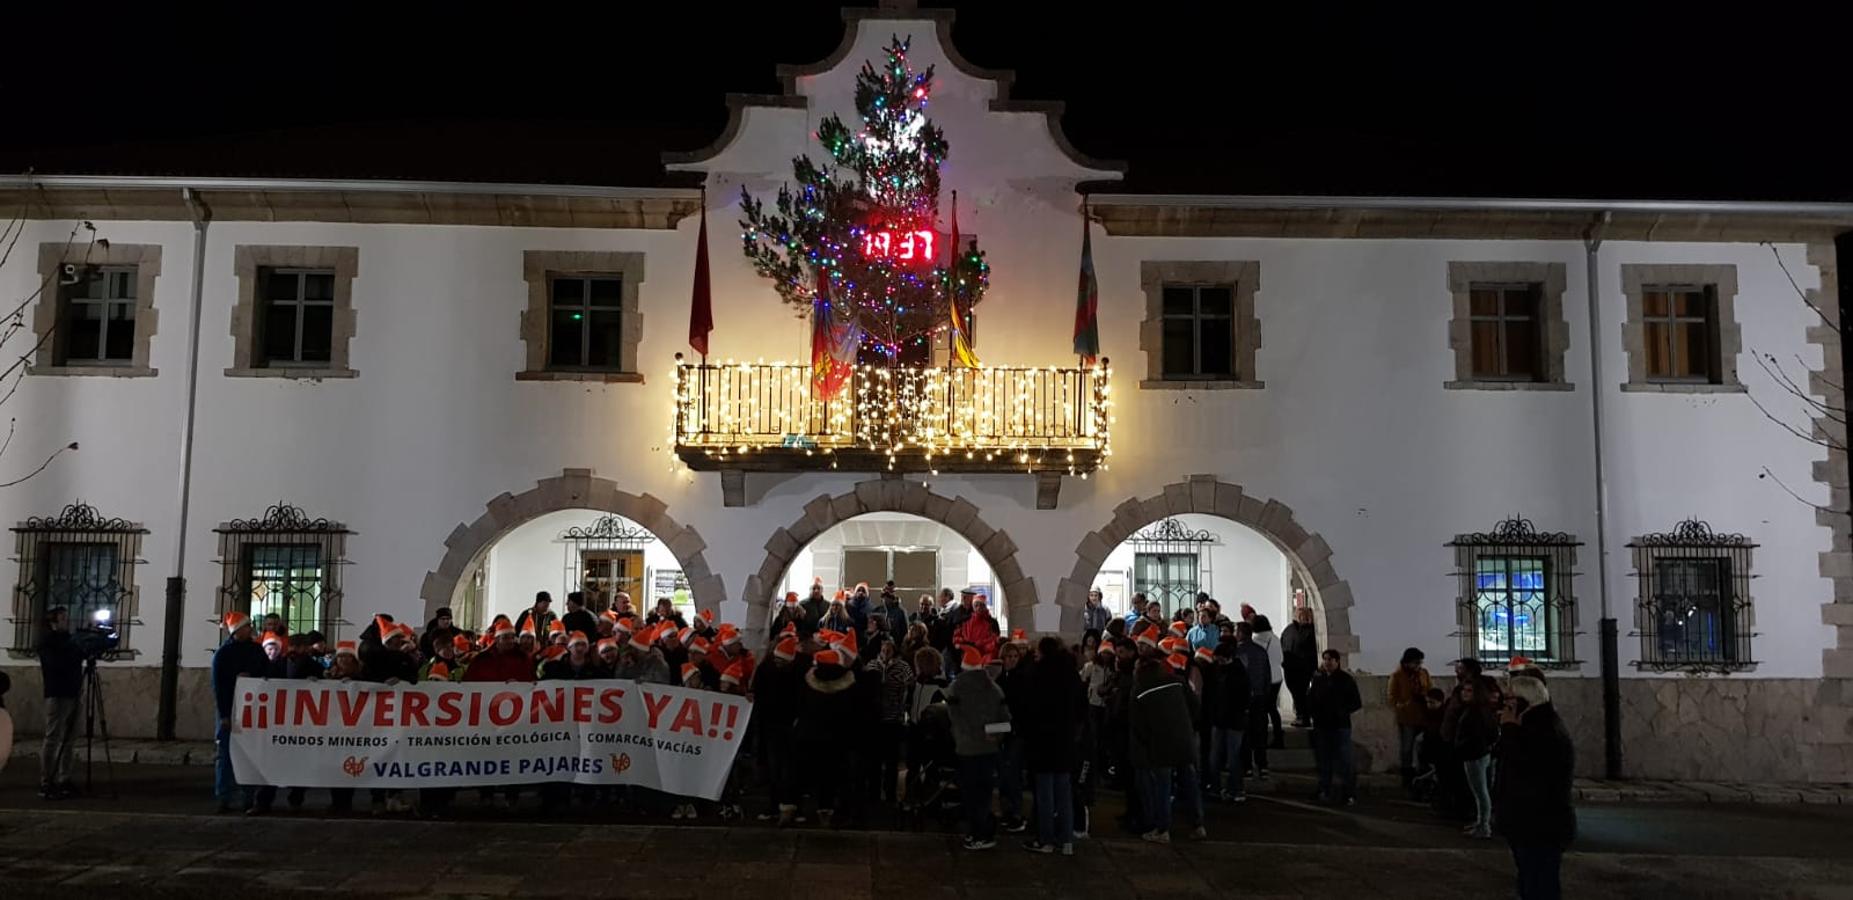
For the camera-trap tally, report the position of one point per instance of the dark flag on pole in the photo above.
(1087, 302)
(701, 306)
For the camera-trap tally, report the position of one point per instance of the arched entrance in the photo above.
(570, 490)
(1307, 553)
(890, 495)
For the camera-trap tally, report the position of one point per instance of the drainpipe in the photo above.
(174, 616)
(1609, 631)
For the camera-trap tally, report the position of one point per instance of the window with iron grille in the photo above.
(585, 322)
(79, 560)
(1506, 332)
(1199, 330)
(1693, 611)
(97, 325)
(1680, 333)
(296, 316)
(284, 564)
(1514, 594)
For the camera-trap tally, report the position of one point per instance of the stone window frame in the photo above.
(537, 266)
(146, 258)
(1517, 537)
(1554, 328)
(1694, 539)
(1721, 279)
(1244, 276)
(250, 259)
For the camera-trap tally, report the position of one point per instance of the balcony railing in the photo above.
(766, 417)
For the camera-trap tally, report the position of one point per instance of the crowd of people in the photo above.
(859, 703)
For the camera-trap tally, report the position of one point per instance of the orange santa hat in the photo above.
(787, 648)
(973, 658)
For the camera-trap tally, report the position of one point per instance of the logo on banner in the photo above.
(354, 767)
(620, 762)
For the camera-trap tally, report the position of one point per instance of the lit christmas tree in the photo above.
(866, 249)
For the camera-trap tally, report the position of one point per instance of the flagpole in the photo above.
(703, 249)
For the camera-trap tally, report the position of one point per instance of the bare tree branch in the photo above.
(1821, 441)
(42, 466)
(1799, 498)
(1777, 253)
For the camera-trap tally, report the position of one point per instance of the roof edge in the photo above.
(343, 185)
(1098, 197)
(789, 98)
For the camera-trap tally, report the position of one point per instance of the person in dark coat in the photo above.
(1163, 722)
(859, 608)
(239, 655)
(896, 619)
(577, 617)
(1226, 710)
(1299, 658)
(826, 734)
(61, 667)
(540, 614)
(1254, 658)
(1013, 678)
(1054, 708)
(1333, 696)
(813, 609)
(441, 629)
(776, 686)
(1532, 805)
(1471, 726)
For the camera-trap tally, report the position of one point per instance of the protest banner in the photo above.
(441, 734)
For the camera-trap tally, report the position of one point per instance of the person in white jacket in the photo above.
(1269, 641)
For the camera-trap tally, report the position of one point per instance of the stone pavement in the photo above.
(1588, 790)
(57, 854)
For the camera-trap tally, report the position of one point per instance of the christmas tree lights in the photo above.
(867, 218)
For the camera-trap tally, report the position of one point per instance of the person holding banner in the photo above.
(239, 655)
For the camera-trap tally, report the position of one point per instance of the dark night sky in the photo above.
(1401, 99)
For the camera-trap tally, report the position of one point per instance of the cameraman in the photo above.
(61, 665)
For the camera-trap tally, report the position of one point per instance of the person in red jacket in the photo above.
(503, 661)
(979, 631)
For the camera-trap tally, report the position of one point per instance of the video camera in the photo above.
(97, 639)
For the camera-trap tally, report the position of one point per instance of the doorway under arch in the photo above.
(572, 489)
(890, 495)
(1309, 558)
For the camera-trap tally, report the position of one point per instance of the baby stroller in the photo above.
(933, 766)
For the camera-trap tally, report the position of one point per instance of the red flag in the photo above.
(701, 306)
(1087, 302)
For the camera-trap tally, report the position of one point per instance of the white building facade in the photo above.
(1402, 381)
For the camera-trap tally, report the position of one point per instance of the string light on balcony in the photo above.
(730, 410)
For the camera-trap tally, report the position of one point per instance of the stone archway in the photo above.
(571, 489)
(892, 495)
(1307, 553)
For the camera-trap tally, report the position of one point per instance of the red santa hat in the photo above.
(1519, 662)
(706, 615)
(787, 648)
(503, 626)
(624, 625)
(971, 658)
(839, 597)
(845, 644)
(1180, 629)
(1018, 637)
(460, 643)
(1178, 661)
(791, 598)
(827, 658)
(698, 646)
(347, 647)
(682, 635)
(393, 633)
(610, 614)
(728, 634)
(577, 637)
(690, 672)
(735, 673)
(382, 623)
(1173, 645)
(553, 652)
(271, 637)
(644, 638)
(609, 643)
(1248, 612)
(790, 630)
(1205, 655)
(1148, 636)
(235, 620)
(527, 628)
(439, 671)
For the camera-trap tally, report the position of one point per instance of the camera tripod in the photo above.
(96, 724)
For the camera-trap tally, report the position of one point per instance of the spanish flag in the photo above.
(959, 343)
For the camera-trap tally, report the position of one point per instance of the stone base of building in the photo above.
(1699, 729)
(131, 701)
